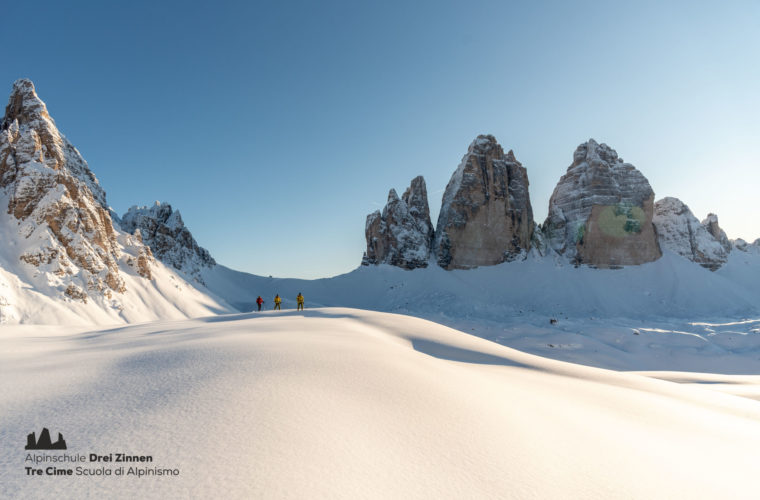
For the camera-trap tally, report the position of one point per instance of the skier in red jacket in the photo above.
(259, 301)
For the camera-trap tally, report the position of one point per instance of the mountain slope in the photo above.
(63, 260)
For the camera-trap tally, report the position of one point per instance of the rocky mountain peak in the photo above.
(24, 105)
(679, 230)
(601, 211)
(416, 200)
(745, 246)
(163, 230)
(486, 217)
(485, 144)
(60, 208)
(595, 154)
(401, 234)
(28, 126)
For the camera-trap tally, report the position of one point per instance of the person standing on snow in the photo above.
(259, 301)
(299, 299)
(277, 301)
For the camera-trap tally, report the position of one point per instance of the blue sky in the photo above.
(276, 127)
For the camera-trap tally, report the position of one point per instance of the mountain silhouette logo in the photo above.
(44, 442)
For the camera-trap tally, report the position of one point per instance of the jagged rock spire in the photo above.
(402, 233)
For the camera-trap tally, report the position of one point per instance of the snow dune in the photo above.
(345, 403)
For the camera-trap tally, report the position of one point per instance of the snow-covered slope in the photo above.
(665, 315)
(36, 294)
(671, 287)
(339, 403)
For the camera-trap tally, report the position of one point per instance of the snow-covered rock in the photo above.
(712, 226)
(680, 231)
(744, 246)
(740, 244)
(601, 211)
(538, 243)
(402, 233)
(486, 217)
(163, 230)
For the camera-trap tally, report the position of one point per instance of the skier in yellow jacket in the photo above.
(299, 299)
(277, 302)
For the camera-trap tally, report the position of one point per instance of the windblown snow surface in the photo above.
(344, 403)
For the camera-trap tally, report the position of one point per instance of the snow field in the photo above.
(344, 403)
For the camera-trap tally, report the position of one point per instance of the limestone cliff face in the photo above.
(401, 234)
(59, 206)
(163, 230)
(486, 217)
(601, 211)
(679, 231)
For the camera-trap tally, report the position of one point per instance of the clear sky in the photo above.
(276, 127)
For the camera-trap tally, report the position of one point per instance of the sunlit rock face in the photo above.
(401, 234)
(486, 217)
(600, 212)
(64, 224)
(679, 230)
